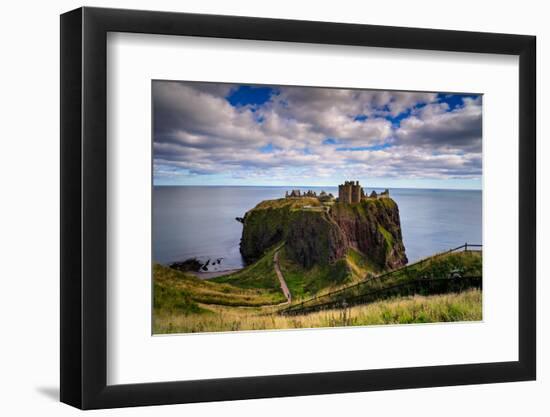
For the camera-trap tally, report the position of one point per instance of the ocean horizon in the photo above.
(375, 187)
(198, 221)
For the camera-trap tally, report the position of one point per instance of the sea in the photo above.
(200, 221)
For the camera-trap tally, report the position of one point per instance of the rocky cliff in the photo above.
(314, 234)
(373, 227)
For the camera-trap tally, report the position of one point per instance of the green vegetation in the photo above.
(330, 258)
(465, 306)
(388, 238)
(466, 263)
(169, 283)
(360, 266)
(249, 299)
(289, 203)
(173, 300)
(260, 274)
(304, 283)
(320, 235)
(393, 284)
(366, 207)
(266, 226)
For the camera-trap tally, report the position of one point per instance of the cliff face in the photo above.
(268, 224)
(374, 228)
(313, 238)
(315, 235)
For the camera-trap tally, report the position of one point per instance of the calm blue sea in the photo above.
(200, 221)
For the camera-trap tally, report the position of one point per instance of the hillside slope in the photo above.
(178, 290)
(432, 276)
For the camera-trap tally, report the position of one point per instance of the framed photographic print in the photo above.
(257, 208)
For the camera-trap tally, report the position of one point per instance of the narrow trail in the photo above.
(282, 281)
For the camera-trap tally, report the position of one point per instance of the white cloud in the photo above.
(198, 132)
(435, 127)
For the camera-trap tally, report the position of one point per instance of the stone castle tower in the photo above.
(350, 192)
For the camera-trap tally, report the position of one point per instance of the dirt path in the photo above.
(284, 287)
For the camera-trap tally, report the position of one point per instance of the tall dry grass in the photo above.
(465, 306)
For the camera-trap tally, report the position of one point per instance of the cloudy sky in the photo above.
(228, 134)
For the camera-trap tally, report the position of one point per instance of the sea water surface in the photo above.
(193, 221)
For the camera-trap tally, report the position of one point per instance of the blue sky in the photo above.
(227, 134)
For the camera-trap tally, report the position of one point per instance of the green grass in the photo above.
(360, 266)
(267, 224)
(292, 203)
(304, 283)
(259, 275)
(468, 263)
(365, 207)
(248, 299)
(172, 288)
(388, 238)
(465, 306)
(173, 300)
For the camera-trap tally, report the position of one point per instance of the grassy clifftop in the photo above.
(318, 235)
(264, 226)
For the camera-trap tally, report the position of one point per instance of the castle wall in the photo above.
(344, 192)
(350, 192)
(356, 193)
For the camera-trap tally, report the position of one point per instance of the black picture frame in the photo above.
(84, 207)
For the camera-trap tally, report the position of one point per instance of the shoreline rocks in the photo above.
(189, 265)
(195, 265)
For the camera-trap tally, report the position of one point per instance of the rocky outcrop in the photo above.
(315, 234)
(268, 224)
(191, 264)
(313, 238)
(263, 227)
(373, 227)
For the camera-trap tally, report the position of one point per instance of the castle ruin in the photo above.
(350, 192)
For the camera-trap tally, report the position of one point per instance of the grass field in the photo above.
(465, 306)
(259, 275)
(175, 292)
(251, 299)
(466, 263)
(305, 283)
